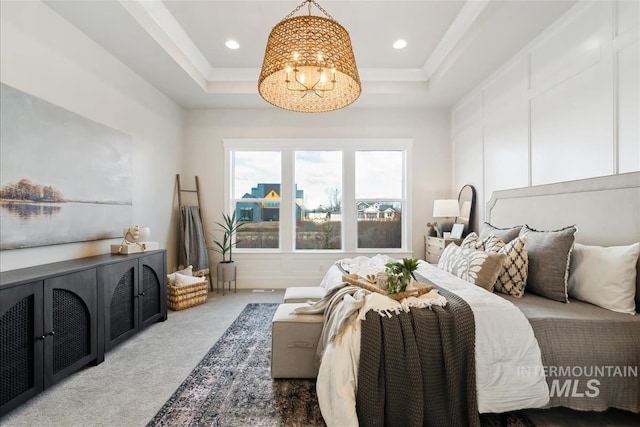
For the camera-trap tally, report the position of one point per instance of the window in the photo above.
(318, 183)
(256, 198)
(379, 189)
(319, 195)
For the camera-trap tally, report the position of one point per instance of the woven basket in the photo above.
(397, 296)
(181, 297)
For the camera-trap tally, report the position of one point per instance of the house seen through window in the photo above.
(299, 197)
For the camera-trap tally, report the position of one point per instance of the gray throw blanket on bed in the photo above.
(418, 368)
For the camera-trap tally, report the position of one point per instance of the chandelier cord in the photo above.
(294, 11)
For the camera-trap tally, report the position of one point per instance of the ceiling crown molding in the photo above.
(156, 19)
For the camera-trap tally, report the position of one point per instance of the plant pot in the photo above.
(226, 271)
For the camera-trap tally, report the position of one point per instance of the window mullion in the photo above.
(349, 210)
(287, 202)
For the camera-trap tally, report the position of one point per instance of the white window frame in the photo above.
(288, 147)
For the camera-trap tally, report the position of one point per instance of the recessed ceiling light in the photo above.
(399, 44)
(232, 44)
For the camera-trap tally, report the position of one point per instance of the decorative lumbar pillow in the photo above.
(549, 253)
(186, 272)
(513, 278)
(183, 280)
(605, 276)
(506, 234)
(478, 267)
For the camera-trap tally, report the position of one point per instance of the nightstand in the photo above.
(434, 246)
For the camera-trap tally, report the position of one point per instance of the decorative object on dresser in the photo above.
(57, 318)
(448, 210)
(434, 246)
(457, 230)
(134, 241)
(432, 229)
(467, 204)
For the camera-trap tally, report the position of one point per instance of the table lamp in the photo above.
(448, 210)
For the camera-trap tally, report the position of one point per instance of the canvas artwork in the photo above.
(63, 178)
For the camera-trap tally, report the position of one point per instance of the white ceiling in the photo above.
(178, 45)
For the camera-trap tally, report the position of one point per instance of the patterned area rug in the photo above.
(232, 385)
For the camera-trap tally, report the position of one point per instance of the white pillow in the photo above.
(605, 276)
(183, 280)
(187, 272)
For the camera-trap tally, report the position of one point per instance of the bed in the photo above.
(531, 351)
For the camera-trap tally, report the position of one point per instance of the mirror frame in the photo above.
(470, 221)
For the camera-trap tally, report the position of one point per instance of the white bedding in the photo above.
(505, 347)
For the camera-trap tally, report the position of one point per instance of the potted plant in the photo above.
(400, 274)
(229, 227)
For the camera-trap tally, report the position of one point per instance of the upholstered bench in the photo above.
(294, 339)
(298, 294)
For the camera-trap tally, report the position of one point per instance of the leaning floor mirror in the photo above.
(467, 201)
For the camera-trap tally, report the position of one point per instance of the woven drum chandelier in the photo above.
(309, 64)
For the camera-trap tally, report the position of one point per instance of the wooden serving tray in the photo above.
(373, 288)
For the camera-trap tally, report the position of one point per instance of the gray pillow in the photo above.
(505, 234)
(549, 253)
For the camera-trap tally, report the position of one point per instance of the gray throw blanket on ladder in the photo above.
(194, 247)
(418, 368)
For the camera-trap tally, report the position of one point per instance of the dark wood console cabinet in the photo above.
(133, 296)
(57, 318)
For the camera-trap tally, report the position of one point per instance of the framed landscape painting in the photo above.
(63, 178)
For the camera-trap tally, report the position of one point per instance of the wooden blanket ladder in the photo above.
(205, 272)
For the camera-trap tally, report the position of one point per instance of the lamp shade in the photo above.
(446, 208)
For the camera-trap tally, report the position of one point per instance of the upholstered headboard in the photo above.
(606, 210)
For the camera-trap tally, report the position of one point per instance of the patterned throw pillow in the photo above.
(513, 278)
(478, 267)
(472, 241)
(491, 243)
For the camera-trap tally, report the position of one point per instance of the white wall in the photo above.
(205, 130)
(45, 56)
(564, 108)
